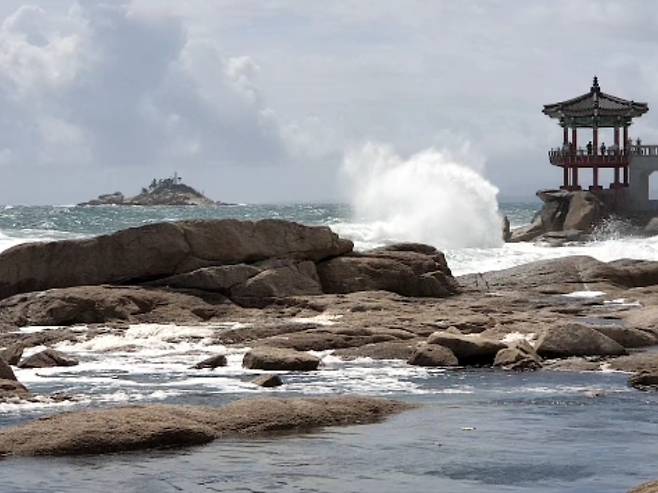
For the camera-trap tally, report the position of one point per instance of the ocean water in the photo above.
(21, 224)
(476, 431)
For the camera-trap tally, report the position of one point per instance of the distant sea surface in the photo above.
(19, 224)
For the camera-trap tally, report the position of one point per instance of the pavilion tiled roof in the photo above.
(595, 107)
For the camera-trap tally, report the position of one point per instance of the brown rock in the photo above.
(142, 427)
(644, 381)
(12, 354)
(404, 273)
(12, 390)
(626, 336)
(469, 350)
(576, 340)
(646, 488)
(585, 211)
(160, 250)
(212, 362)
(433, 355)
(46, 359)
(268, 381)
(6, 373)
(290, 279)
(519, 356)
(380, 350)
(221, 278)
(269, 358)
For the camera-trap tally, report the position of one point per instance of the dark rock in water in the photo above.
(268, 381)
(12, 354)
(469, 350)
(143, 427)
(211, 362)
(6, 373)
(644, 381)
(12, 390)
(576, 340)
(160, 250)
(46, 359)
(519, 356)
(432, 355)
(407, 273)
(507, 230)
(280, 281)
(269, 358)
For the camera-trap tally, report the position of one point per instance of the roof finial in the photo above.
(595, 84)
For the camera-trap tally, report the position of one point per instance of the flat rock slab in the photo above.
(468, 349)
(142, 427)
(269, 358)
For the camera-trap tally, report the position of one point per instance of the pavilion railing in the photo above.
(610, 158)
(644, 150)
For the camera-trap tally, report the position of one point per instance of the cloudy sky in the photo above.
(259, 101)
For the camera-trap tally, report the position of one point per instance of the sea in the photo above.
(476, 430)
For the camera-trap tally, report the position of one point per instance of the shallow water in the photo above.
(506, 432)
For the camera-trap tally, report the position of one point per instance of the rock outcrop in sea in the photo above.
(167, 191)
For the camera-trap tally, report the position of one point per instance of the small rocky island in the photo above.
(165, 191)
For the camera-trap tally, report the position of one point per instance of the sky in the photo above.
(261, 100)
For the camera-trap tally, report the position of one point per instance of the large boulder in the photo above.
(585, 211)
(407, 273)
(268, 381)
(47, 359)
(576, 340)
(432, 355)
(469, 349)
(627, 336)
(270, 358)
(644, 381)
(142, 427)
(6, 373)
(279, 281)
(160, 250)
(651, 487)
(396, 349)
(519, 356)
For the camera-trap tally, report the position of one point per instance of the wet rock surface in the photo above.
(143, 427)
(47, 359)
(266, 358)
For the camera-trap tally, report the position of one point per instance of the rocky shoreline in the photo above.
(400, 302)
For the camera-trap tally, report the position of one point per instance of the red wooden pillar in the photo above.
(626, 150)
(616, 182)
(595, 177)
(574, 178)
(595, 140)
(617, 137)
(565, 178)
(625, 176)
(574, 139)
(565, 137)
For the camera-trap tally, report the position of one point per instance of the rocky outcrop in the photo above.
(159, 251)
(576, 340)
(519, 356)
(6, 373)
(627, 336)
(401, 350)
(578, 212)
(220, 279)
(12, 390)
(211, 363)
(12, 354)
(47, 359)
(142, 427)
(406, 272)
(268, 381)
(269, 358)
(646, 488)
(168, 191)
(644, 381)
(432, 355)
(469, 349)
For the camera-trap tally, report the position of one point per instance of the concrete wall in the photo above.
(641, 167)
